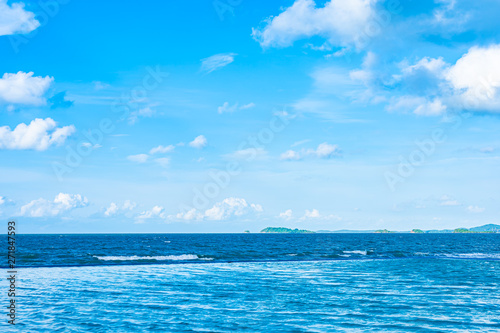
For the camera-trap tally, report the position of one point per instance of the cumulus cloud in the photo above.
(14, 19)
(115, 209)
(139, 158)
(155, 212)
(40, 134)
(230, 207)
(2, 200)
(24, 88)
(324, 150)
(290, 155)
(315, 214)
(287, 214)
(340, 22)
(216, 62)
(62, 203)
(432, 87)
(224, 210)
(145, 112)
(199, 142)
(311, 214)
(476, 78)
(162, 149)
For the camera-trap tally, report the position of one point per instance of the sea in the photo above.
(255, 283)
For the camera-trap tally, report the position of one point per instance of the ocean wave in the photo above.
(364, 253)
(471, 255)
(159, 258)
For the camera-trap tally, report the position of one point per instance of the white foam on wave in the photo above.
(172, 257)
(364, 253)
(471, 255)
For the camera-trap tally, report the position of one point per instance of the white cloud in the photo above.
(89, 145)
(324, 150)
(247, 106)
(217, 61)
(476, 78)
(24, 88)
(365, 74)
(226, 108)
(162, 149)
(433, 65)
(224, 210)
(231, 207)
(287, 214)
(14, 19)
(63, 202)
(312, 214)
(139, 158)
(111, 210)
(290, 155)
(475, 209)
(192, 214)
(315, 214)
(145, 112)
(40, 134)
(155, 212)
(430, 108)
(199, 142)
(339, 22)
(2, 200)
(114, 209)
(143, 158)
(472, 83)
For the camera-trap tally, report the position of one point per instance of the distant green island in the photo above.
(383, 231)
(484, 229)
(281, 230)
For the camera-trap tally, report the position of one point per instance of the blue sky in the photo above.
(232, 115)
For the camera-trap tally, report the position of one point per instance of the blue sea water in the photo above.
(257, 283)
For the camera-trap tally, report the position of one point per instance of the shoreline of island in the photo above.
(484, 229)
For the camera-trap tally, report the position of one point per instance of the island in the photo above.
(281, 230)
(484, 229)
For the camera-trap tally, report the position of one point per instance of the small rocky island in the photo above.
(281, 230)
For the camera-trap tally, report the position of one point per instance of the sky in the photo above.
(233, 115)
